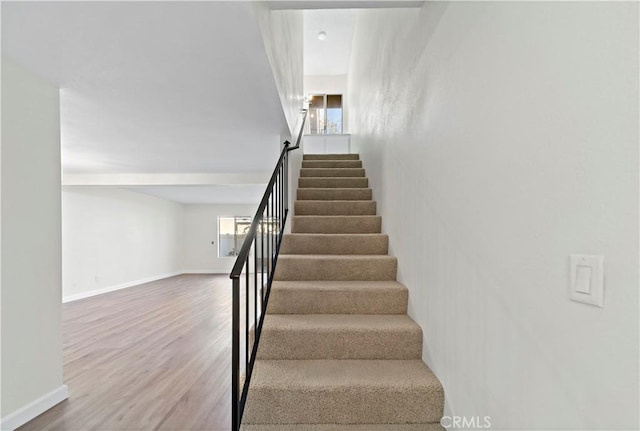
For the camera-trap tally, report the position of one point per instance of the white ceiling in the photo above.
(153, 86)
(170, 87)
(337, 18)
(329, 56)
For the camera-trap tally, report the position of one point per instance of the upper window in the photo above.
(325, 114)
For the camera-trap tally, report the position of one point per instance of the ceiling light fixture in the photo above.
(322, 35)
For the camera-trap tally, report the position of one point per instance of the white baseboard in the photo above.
(108, 289)
(205, 271)
(34, 408)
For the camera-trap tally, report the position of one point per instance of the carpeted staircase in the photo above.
(337, 350)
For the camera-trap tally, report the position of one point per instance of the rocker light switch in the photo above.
(587, 279)
(583, 279)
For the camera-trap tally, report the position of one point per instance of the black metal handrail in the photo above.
(268, 225)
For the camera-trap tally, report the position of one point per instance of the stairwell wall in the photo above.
(283, 40)
(500, 138)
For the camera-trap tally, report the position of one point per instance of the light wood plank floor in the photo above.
(151, 357)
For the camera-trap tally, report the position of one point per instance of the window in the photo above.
(232, 231)
(325, 114)
(231, 234)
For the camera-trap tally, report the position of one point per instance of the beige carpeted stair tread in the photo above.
(335, 194)
(338, 351)
(336, 224)
(343, 392)
(328, 182)
(332, 164)
(331, 172)
(330, 157)
(340, 336)
(325, 207)
(335, 427)
(323, 243)
(336, 267)
(338, 297)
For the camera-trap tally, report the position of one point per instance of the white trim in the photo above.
(108, 289)
(34, 408)
(164, 179)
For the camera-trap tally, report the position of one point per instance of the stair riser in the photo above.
(353, 182)
(328, 224)
(330, 157)
(344, 344)
(336, 406)
(335, 244)
(306, 301)
(335, 269)
(335, 194)
(335, 207)
(331, 172)
(332, 164)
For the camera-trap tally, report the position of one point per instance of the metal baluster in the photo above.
(278, 198)
(286, 182)
(247, 328)
(281, 184)
(274, 216)
(277, 186)
(235, 355)
(255, 285)
(268, 244)
(271, 241)
(262, 263)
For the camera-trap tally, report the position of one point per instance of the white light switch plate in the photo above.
(587, 279)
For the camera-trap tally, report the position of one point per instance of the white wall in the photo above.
(200, 229)
(327, 144)
(116, 238)
(31, 241)
(283, 39)
(499, 139)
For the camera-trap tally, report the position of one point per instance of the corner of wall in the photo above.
(283, 41)
(31, 238)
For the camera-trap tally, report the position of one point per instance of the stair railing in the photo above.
(259, 253)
